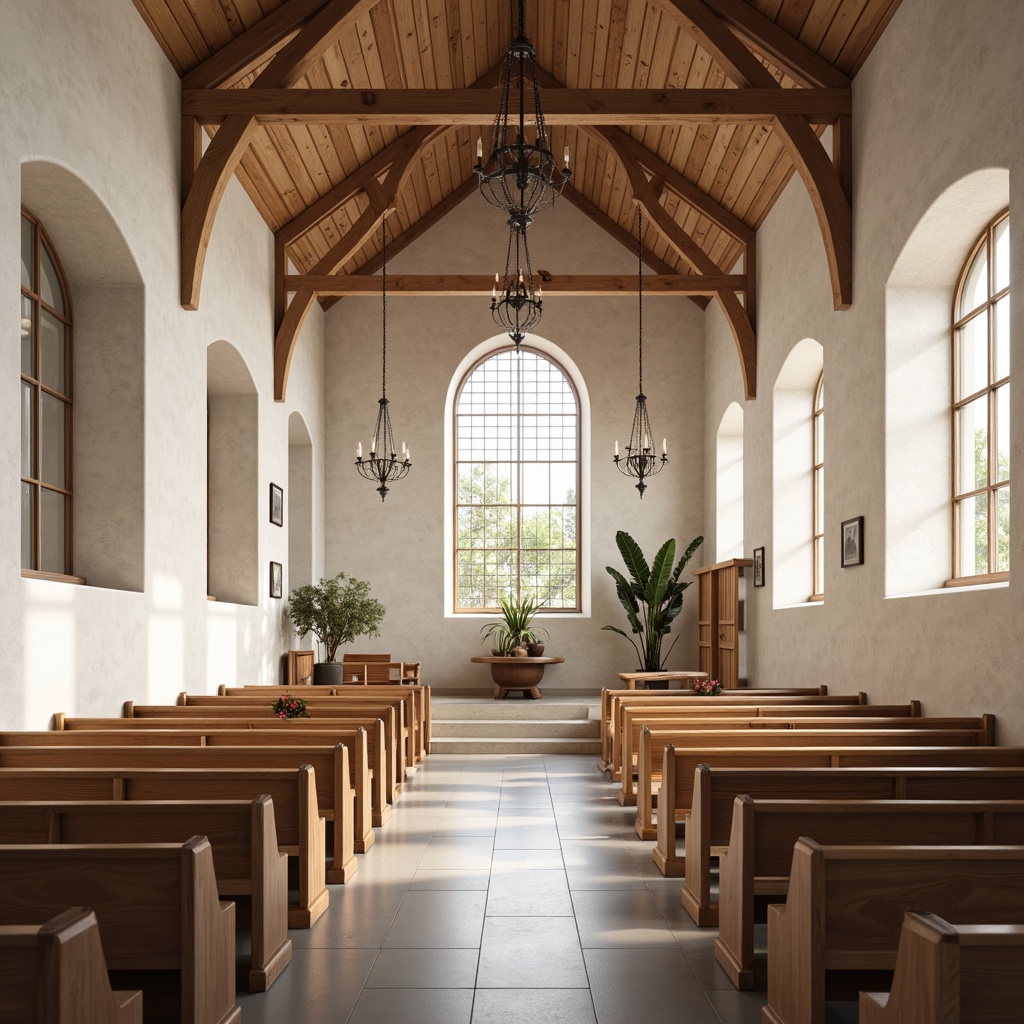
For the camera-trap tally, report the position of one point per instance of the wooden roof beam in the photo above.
(404, 107)
(218, 163)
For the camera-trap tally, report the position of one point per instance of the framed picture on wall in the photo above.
(277, 505)
(276, 579)
(852, 539)
(758, 567)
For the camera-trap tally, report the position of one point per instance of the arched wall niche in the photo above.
(109, 435)
(729, 539)
(299, 515)
(918, 387)
(792, 555)
(232, 477)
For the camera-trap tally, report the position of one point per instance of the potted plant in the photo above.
(652, 597)
(335, 611)
(516, 628)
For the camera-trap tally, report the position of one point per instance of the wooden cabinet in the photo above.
(721, 603)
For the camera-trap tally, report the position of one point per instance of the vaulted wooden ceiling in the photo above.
(397, 134)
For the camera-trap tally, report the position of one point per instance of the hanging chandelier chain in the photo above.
(640, 286)
(384, 313)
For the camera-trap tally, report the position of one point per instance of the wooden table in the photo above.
(632, 678)
(517, 674)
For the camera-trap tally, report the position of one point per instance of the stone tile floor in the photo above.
(505, 888)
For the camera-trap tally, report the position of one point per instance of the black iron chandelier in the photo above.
(388, 466)
(640, 460)
(516, 307)
(520, 178)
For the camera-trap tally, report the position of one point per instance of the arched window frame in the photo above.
(995, 388)
(518, 462)
(818, 468)
(33, 306)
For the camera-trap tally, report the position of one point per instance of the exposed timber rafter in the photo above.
(821, 176)
(214, 170)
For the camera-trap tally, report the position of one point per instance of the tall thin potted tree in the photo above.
(335, 611)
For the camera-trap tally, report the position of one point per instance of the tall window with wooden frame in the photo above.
(46, 407)
(981, 409)
(818, 424)
(516, 484)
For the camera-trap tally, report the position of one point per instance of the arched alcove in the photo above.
(299, 517)
(729, 486)
(109, 429)
(792, 555)
(918, 387)
(232, 477)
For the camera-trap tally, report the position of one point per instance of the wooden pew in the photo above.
(55, 973)
(952, 974)
(610, 700)
(651, 755)
(157, 908)
(366, 716)
(756, 864)
(334, 791)
(379, 668)
(246, 859)
(300, 828)
(709, 821)
(846, 905)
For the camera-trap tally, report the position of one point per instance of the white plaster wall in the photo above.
(83, 84)
(931, 105)
(399, 547)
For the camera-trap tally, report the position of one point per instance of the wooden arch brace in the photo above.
(827, 181)
(207, 178)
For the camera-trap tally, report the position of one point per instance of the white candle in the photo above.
(664, 446)
(647, 443)
(373, 445)
(566, 157)
(616, 449)
(408, 455)
(540, 294)
(480, 147)
(359, 450)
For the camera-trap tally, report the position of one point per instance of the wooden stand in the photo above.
(517, 674)
(720, 620)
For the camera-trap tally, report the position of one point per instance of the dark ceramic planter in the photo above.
(328, 673)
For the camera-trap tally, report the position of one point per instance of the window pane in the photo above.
(972, 434)
(536, 483)
(27, 231)
(819, 499)
(26, 337)
(27, 526)
(51, 352)
(1002, 399)
(972, 356)
(1001, 232)
(972, 527)
(819, 438)
(27, 424)
(1002, 331)
(49, 283)
(819, 565)
(1002, 530)
(563, 483)
(51, 515)
(52, 438)
(975, 290)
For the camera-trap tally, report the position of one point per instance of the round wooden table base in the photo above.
(517, 674)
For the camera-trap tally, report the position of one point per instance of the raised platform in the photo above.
(514, 726)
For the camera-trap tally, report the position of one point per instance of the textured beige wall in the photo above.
(399, 546)
(83, 85)
(932, 105)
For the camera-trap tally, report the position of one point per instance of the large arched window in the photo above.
(46, 368)
(818, 423)
(516, 484)
(981, 407)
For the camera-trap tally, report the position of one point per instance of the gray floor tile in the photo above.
(531, 952)
(735, 1007)
(538, 1006)
(541, 893)
(526, 837)
(526, 860)
(616, 919)
(449, 878)
(424, 968)
(357, 917)
(471, 852)
(438, 920)
(425, 1006)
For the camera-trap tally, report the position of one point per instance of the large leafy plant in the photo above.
(652, 597)
(516, 627)
(335, 611)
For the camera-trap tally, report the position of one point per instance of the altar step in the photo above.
(513, 726)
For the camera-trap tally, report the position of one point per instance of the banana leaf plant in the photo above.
(517, 626)
(652, 597)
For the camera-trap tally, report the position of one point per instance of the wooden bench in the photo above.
(55, 973)
(379, 668)
(157, 908)
(846, 904)
(714, 790)
(300, 828)
(246, 859)
(755, 867)
(645, 678)
(650, 757)
(952, 974)
(334, 792)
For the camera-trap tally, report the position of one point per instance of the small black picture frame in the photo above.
(277, 505)
(276, 579)
(758, 567)
(851, 542)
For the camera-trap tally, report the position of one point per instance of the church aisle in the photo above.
(505, 888)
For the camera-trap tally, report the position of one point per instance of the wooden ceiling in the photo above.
(732, 169)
